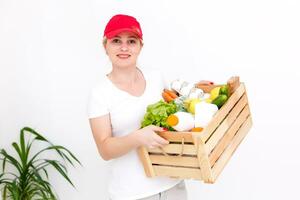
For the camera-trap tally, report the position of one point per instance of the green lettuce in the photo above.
(158, 113)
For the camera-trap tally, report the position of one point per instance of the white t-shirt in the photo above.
(128, 180)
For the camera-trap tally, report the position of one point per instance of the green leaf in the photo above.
(158, 112)
(46, 173)
(58, 148)
(22, 144)
(12, 160)
(70, 153)
(60, 170)
(3, 163)
(38, 136)
(20, 153)
(4, 192)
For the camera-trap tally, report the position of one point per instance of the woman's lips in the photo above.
(123, 56)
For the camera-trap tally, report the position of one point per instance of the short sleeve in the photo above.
(97, 104)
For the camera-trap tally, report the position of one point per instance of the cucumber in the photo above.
(220, 100)
(224, 90)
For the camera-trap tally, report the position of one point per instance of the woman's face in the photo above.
(123, 49)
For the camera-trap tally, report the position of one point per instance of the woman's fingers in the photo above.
(154, 144)
(150, 139)
(157, 142)
(157, 138)
(160, 140)
(156, 128)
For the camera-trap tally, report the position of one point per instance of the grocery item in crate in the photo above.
(187, 89)
(169, 95)
(204, 112)
(181, 121)
(158, 113)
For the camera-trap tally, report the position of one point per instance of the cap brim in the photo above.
(116, 32)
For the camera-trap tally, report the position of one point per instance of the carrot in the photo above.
(171, 93)
(197, 129)
(166, 97)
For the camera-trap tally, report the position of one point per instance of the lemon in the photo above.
(186, 103)
(214, 93)
(191, 107)
(208, 100)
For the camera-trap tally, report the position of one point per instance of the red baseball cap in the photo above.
(122, 23)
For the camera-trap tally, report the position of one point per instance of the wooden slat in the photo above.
(175, 160)
(226, 123)
(217, 151)
(220, 115)
(174, 136)
(144, 157)
(202, 155)
(233, 83)
(188, 149)
(177, 172)
(224, 158)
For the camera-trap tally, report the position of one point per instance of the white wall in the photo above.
(50, 56)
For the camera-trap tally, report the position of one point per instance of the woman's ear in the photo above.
(142, 43)
(104, 42)
(104, 46)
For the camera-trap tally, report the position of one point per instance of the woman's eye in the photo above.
(132, 41)
(116, 41)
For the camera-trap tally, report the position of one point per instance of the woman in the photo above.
(117, 106)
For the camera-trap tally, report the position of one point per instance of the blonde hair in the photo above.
(104, 41)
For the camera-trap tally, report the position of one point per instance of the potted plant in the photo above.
(27, 178)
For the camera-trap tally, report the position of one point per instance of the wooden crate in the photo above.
(202, 155)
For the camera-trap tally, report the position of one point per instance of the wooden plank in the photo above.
(224, 158)
(175, 160)
(220, 115)
(174, 136)
(223, 143)
(177, 172)
(247, 101)
(145, 159)
(206, 173)
(188, 149)
(226, 123)
(233, 83)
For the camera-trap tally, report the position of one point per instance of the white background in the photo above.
(51, 54)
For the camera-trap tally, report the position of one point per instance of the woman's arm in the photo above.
(111, 147)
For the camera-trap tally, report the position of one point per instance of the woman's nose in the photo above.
(124, 47)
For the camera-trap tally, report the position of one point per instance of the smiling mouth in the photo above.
(123, 56)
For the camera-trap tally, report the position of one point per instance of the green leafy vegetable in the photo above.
(157, 114)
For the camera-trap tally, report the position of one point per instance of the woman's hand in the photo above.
(147, 137)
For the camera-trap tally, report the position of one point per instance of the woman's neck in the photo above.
(124, 75)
